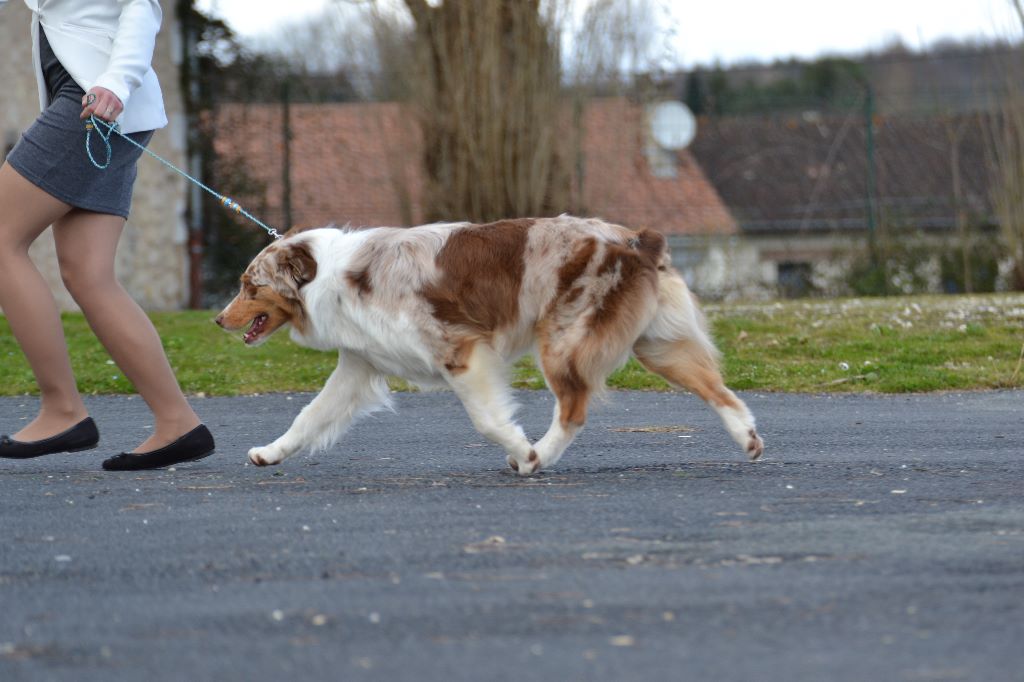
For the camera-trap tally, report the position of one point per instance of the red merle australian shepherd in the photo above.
(456, 304)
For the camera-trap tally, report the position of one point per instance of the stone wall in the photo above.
(152, 258)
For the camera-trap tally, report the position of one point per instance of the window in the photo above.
(794, 279)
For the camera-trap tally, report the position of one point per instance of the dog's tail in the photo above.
(652, 247)
(678, 317)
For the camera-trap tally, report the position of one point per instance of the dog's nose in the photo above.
(219, 319)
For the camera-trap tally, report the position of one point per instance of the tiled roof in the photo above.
(360, 164)
(618, 183)
(810, 173)
(350, 163)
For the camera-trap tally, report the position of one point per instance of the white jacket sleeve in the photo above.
(132, 52)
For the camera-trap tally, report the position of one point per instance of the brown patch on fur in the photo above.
(296, 268)
(572, 392)
(481, 274)
(635, 273)
(533, 456)
(647, 245)
(638, 262)
(298, 259)
(457, 361)
(574, 268)
(514, 464)
(573, 294)
(612, 256)
(360, 281)
(651, 246)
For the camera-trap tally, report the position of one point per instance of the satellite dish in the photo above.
(673, 125)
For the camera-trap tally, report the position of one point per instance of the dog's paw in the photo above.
(527, 468)
(265, 456)
(755, 446)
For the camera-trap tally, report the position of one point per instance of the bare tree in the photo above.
(344, 39)
(487, 85)
(615, 40)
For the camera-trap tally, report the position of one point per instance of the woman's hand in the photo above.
(101, 102)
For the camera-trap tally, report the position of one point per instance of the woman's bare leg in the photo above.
(25, 211)
(86, 247)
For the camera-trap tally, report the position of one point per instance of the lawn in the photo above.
(888, 345)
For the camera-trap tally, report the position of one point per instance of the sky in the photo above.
(705, 31)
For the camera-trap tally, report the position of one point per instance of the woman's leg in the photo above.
(25, 211)
(86, 247)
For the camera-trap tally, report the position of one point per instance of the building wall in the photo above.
(151, 257)
(767, 266)
(722, 267)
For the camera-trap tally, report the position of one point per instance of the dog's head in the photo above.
(270, 296)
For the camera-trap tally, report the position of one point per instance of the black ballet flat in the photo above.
(82, 436)
(196, 444)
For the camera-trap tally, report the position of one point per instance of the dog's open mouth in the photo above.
(256, 328)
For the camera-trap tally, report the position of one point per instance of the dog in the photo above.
(455, 304)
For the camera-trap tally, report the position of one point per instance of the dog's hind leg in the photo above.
(481, 384)
(353, 390)
(585, 334)
(691, 364)
(572, 395)
(576, 363)
(676, 345)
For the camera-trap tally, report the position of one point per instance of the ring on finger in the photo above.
(90, 98)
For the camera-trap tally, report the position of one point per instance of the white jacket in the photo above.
(105, 43)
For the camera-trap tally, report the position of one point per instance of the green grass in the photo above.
(888, 345)
(205, 359)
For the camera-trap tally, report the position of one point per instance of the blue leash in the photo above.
(226, 202)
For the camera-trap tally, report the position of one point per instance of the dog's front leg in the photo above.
(354, 389)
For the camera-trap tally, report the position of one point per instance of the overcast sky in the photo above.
(708, 30)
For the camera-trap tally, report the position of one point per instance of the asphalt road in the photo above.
(881, 538)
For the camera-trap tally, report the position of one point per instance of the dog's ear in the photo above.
(296, 268)
(302, 264)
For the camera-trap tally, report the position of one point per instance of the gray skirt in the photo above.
(51, 153)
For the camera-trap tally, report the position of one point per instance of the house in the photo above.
(801, 192)
(359, 164)
(152, 258)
